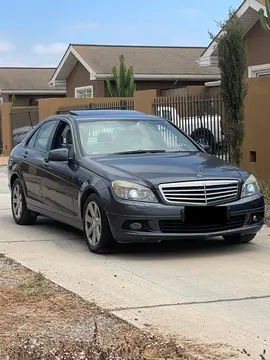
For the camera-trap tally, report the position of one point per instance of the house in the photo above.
(258, 42)
(84, 68)
(27, 85)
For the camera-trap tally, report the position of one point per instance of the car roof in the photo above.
(110, 114)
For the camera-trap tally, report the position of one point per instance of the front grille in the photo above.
(177, 227)
(200, 192)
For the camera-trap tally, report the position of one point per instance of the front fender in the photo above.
(95, 186)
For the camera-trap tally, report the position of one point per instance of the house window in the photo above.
(259, 70)
(84, 92)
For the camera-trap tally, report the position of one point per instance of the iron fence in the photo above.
(108, 105)
(201, 117)
(23, 120)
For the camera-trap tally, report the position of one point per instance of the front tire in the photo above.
(97, 231)
(239, 239)
(21, 215)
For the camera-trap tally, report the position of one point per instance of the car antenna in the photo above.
(29, 113)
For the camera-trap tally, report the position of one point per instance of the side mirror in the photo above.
(58, 155)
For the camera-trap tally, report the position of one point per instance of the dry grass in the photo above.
(265, 186)
(39, 320)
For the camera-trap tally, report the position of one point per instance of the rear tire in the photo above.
(97, 230)
(239, 239)
(21, 215)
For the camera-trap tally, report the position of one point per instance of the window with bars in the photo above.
(84, 92)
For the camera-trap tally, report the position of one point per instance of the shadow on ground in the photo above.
(174, 248)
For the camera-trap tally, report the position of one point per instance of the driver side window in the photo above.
(63, 138)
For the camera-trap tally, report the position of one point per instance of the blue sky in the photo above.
(36, 32)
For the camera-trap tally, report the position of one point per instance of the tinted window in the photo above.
(44, 135)
(31, 142)
(62, 137)
(112, 136)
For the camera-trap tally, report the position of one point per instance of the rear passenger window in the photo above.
(44, 135)
(31, 142)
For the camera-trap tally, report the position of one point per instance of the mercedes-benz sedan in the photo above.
(124, 176)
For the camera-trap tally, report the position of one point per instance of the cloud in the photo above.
(6, 46)
(86, 25)
(54, 48)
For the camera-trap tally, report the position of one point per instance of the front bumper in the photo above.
(163, 222)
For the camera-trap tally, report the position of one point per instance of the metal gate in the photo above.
(200, 117)
(108, 105)
(23, 120)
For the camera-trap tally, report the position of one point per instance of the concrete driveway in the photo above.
(202, 291)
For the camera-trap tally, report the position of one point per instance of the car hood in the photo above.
(154, 169)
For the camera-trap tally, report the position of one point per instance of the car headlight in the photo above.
(130, 191)
(250, 187)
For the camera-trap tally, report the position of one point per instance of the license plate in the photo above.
(208, 215)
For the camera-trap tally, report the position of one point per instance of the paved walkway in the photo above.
(3, 160)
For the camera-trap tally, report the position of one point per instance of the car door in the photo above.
(31, 165)
(58, 185)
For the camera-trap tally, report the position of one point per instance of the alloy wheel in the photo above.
(17, 201)
(93, 225)
(203, 141)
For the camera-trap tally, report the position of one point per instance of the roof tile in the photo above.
(18, 78)
(155, 60)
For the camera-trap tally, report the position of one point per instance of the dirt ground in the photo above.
(40, 320)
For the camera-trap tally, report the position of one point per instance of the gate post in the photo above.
(143, 101)
(6, 128)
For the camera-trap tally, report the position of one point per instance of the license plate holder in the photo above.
(205, 215)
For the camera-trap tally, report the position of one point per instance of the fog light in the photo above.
(136, 226)
(255, 219)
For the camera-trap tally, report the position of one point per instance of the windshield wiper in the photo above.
(139, 152)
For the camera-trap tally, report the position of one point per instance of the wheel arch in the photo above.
(14, 176)
(201, 130)
(87, 192)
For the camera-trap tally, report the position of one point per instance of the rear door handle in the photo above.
(25, 154)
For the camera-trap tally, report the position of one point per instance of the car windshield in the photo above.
(132, 136)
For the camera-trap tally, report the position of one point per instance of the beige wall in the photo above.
(257, 128)
(6, 128)
(143, 101)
